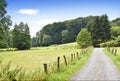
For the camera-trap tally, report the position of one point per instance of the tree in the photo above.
(115, 32)
(39, 37)
(115, 22)
(34, 42)
(47, 40)
(21, 36)
(3, 5)
(3, 42)
(105, 33)
(84, 38)
(66, 36)
(99, 29)
(5, 22)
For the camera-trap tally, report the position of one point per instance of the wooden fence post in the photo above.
(65, 60)
(71, 57)
(77, 55)
(58, 63)
(74, 55)
(45, 68)
(112, 50)
(115, 52)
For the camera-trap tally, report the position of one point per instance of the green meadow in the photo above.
(34, 58)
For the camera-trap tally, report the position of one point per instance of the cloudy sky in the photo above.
(38, 13)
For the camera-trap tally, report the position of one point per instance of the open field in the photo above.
(34, 58)
(116, 58)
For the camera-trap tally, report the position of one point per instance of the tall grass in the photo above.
(19, 74)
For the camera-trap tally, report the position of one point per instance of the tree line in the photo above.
(67, 31)
(19, 37)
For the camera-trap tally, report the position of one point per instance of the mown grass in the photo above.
(116, 59)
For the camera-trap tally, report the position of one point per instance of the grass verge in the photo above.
(116, 59)
(67, 71)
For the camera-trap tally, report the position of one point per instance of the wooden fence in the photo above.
(66, 62)
(112, 50)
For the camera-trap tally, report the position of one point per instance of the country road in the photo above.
(98, 67)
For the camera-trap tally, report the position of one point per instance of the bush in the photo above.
(112, 43)
(103, 45)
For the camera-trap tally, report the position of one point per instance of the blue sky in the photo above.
(38, 13)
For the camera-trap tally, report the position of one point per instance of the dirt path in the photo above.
(98, 67)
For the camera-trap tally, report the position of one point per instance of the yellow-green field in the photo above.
(34, 58)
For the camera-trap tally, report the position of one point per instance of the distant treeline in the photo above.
(65, 32)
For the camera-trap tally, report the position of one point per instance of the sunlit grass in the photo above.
(116, 59)
(34, 58)
(24, 65)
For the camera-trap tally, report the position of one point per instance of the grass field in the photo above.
(34, 58)
(116, 58)
(32, 61)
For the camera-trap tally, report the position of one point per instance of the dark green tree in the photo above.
(39, 38)
(5, 22)
(84, 38)
(34, 42)
(99, 29)
(66, 37)
(21, 36)
(3, 42)
(47, 40)
(105, 28)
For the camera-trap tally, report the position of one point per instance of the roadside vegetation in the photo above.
(114, 56)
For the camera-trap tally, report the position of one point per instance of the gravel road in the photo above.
(98, 67)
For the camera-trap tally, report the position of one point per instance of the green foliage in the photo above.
(115, 22)
(112, 43)
(63, 32)
(39, 38)
(21, 36)
(84, 38)
(67, 31)
(66, 36)
(99, 29)
(3, 42)
(47, 40)
(3, 4)
(34, 42)
(115, 31)
(5, 22)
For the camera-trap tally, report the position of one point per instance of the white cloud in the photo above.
(28, 11)
(44, 22)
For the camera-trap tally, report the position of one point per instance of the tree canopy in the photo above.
(84, 38)
(21, 36)
(5, 22)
